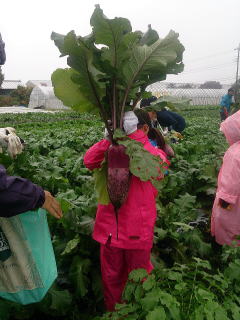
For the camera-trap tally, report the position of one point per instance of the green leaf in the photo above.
(204, 294)
(79, 275)
(149, 283)
(149, 302)
(214, 311)
(65, 205)
(220, 314)
(142, 163)
(149, 37)
(139, 292)
(161, 233)
(61, 301)
(119, 134)
(71, 245)
(100, 176)
(176, 276)
(183, 226)
(111, 33)
(125, 309)
(59, 42)
(180, 286)
(203, 263)
(199, 314)
(69, 92)
(153, 61)
(81, 59)
(88, 91)
(233, 271)
(167, 299)
(129, 290)
(151, 299)
(157, 314)
(138, 275)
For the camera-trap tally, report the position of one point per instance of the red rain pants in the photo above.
(116, 264)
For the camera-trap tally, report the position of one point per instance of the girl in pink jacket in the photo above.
(136, 218)
(225, 224)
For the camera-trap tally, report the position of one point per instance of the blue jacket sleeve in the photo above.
(165, 119)
(18, 195)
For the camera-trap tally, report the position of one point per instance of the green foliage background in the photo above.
(20, 96)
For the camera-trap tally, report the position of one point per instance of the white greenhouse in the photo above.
(43, 97)
(196, 95)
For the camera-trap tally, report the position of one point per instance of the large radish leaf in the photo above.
(68, 91)
(100, 176)
(145, 60)
(143, 164)
(81, 59)
(115, 65)
(111, 33)
(149, 37)
(59, 42)
(78, 274)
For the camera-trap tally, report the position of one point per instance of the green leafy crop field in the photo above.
(194, 278)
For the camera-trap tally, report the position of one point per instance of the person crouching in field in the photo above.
(225, 222)
(128, 248)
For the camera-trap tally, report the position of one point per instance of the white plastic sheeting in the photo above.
(197, 96)
(44, 97)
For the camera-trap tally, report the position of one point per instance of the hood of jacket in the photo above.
(231, 128)
(139, 136)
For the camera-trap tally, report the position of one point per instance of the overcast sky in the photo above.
(209, 30)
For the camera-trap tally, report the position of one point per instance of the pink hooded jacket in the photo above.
(225, 224)
(137, 216)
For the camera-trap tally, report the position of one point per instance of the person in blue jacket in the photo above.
(170, 119)
(166, 118)
(225, 104)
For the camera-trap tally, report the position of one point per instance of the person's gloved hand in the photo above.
(178, 135)
(10, 141)
(3, 141)
(52, 205)
(165, 131)
(106, 134)
(15, 146)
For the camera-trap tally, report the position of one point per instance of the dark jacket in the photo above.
(18, 195)
(2, 51)
(171, 119)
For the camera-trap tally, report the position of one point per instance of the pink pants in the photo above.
(116, 264)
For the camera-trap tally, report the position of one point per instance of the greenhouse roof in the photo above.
(11, 84)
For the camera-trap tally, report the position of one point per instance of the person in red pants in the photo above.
(129, 247)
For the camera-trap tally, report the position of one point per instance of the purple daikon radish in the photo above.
(118, 176)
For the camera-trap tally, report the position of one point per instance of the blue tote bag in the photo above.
(27, 261)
